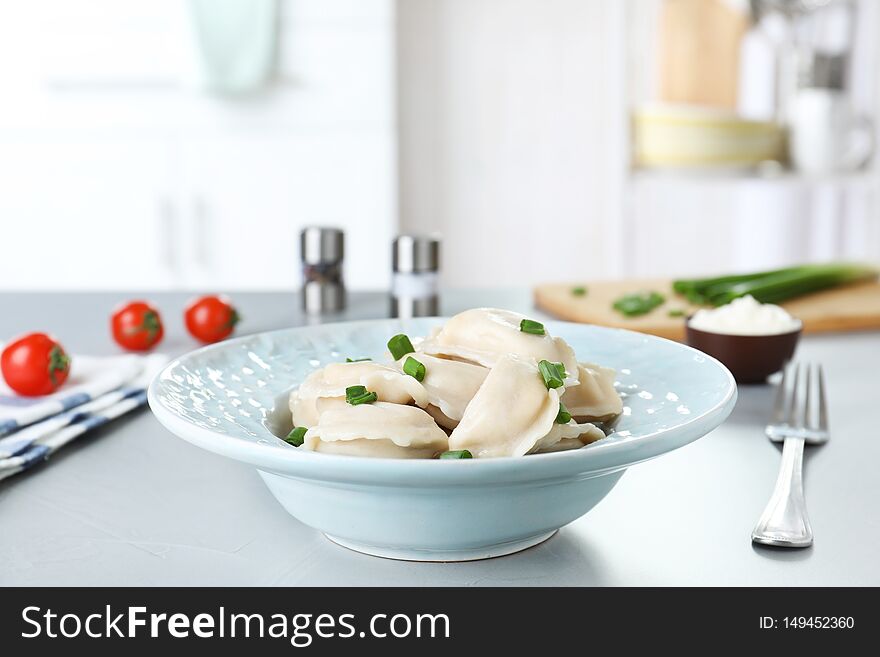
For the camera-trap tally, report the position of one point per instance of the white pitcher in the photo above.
(825, 133)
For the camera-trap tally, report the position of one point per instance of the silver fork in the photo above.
(784, 522)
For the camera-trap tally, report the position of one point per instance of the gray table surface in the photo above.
(130, 504)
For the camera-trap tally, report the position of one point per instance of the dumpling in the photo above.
(595, 398)
(450, 385)
(512, 414)
(379, 429)
(568, 436)
(486, 335)
(332, 380)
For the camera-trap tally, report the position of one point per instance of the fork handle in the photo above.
(784, 522)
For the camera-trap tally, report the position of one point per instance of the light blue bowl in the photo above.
(231, 399)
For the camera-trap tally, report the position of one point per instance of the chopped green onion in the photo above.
(676, 312)
(563, 416)
(533, 327)
(457, 454)
(368, 398)
(355, 391)
(414, 368)
(356, 360)
(553, 374)
(296, 436)
(638, 303)
(579, 291)
(400, 346)
(355, 395)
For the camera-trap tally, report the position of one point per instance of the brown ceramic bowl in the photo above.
(750, 358)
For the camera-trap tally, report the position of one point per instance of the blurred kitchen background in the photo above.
(172, 144)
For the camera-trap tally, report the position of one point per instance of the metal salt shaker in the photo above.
(322, 250)
(415, 263)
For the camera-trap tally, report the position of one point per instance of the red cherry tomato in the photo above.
(35, 364)
(211, 318)
(137, 326)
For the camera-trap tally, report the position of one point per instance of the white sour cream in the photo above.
(745, 316)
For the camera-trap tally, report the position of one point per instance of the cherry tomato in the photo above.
(34, 364)
(211, 318)
(137, 326)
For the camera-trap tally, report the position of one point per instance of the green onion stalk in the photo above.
(773, 286)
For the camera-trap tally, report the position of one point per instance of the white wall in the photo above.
(506, 144)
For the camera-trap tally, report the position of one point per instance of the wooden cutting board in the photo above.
(850, 308)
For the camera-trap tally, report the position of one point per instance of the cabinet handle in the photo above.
(202, 222)
(168, 230)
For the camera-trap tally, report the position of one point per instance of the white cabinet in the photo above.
(249, 197)
(222, 213)
(695, 226)
(116, 173)
(85, 213)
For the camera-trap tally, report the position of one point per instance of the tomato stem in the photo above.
(58, 362)
(151, 324)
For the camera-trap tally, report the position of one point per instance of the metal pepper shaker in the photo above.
(415, 263)
(322, 251)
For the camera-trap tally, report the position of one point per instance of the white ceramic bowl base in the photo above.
(470, 522)
(470, 554)
(230, 399)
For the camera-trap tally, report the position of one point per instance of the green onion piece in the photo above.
(457, 454)
(356, 360)
(367, 398)
(296, 436)
(638, 303)
(355, 391)
(400, 346)
(414, 368)
(579, 291)
(533, 327)
(356, 395)
(676, 312)
(561, 369)
(563, 416)
(551, 374)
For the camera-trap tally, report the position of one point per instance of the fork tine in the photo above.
(807, 421)
(793, 398)
(779, 404)
(823, 410)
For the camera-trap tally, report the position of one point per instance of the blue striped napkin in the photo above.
(34, 443)
(90, 377)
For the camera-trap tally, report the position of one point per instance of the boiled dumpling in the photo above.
(450, 386)
(510, 414)
(514, 413)
(332, 380)
(486, 335)
(595, 398)
(568, 436)
(379, 429)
